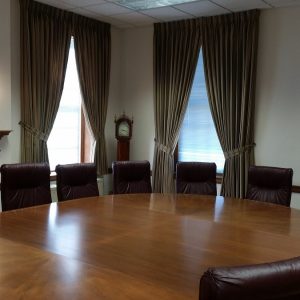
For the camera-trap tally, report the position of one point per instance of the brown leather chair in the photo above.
(131, 177)
(24, 185)
(270, 184)
(196, 178)
(76, 181)
(278, 280)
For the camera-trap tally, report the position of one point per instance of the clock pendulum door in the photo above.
(123, 150)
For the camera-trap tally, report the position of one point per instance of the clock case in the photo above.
(123, 147)
(120, 120)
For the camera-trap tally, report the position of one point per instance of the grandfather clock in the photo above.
(123, 135)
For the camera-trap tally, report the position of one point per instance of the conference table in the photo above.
(143, 246)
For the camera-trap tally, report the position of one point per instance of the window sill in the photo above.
(219, 178)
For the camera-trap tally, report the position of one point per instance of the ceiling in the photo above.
(118, 14)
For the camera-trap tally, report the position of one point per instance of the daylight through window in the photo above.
(198, 139)
(65, 143)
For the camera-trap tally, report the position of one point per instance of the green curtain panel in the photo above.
(92, 49)
(45, 41)
(230, 53)
(176, 51)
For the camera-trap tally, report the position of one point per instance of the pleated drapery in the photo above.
(229, 44)
(176, 51)
(230, 53)
(92, 49)
(45, 41)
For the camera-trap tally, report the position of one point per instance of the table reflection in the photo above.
(166, 204)
(63, 233)
(219, 205)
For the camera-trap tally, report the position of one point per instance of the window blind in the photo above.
(198, 139)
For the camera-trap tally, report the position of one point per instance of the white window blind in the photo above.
(64, 140)
(198, 139)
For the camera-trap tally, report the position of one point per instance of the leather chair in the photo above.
(270, 184)
(24, 185)
(278, 280)
(196, 178)
(131, 177)
(76, 181)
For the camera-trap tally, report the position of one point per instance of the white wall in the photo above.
(14, 138)
(5, 67)
(277, 133)
(9, 80)
(114, 98)
(131, 92)
(137, 89)
(114, 101)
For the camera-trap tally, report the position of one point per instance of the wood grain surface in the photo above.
(147, 246)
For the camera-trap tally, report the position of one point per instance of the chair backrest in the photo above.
(278, 280)
(270, 184)
(76, 181)
(131, 177)
(24, 185)
(196, 178)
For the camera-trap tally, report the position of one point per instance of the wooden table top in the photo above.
(147, 246)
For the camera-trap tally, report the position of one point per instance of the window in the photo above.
(70, 139)
(198, 139)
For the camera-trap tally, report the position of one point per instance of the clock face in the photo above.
(123, 129)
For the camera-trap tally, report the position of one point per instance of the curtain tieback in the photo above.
(99, 135)
(35, 132)
(163, 147)
(238, 151)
